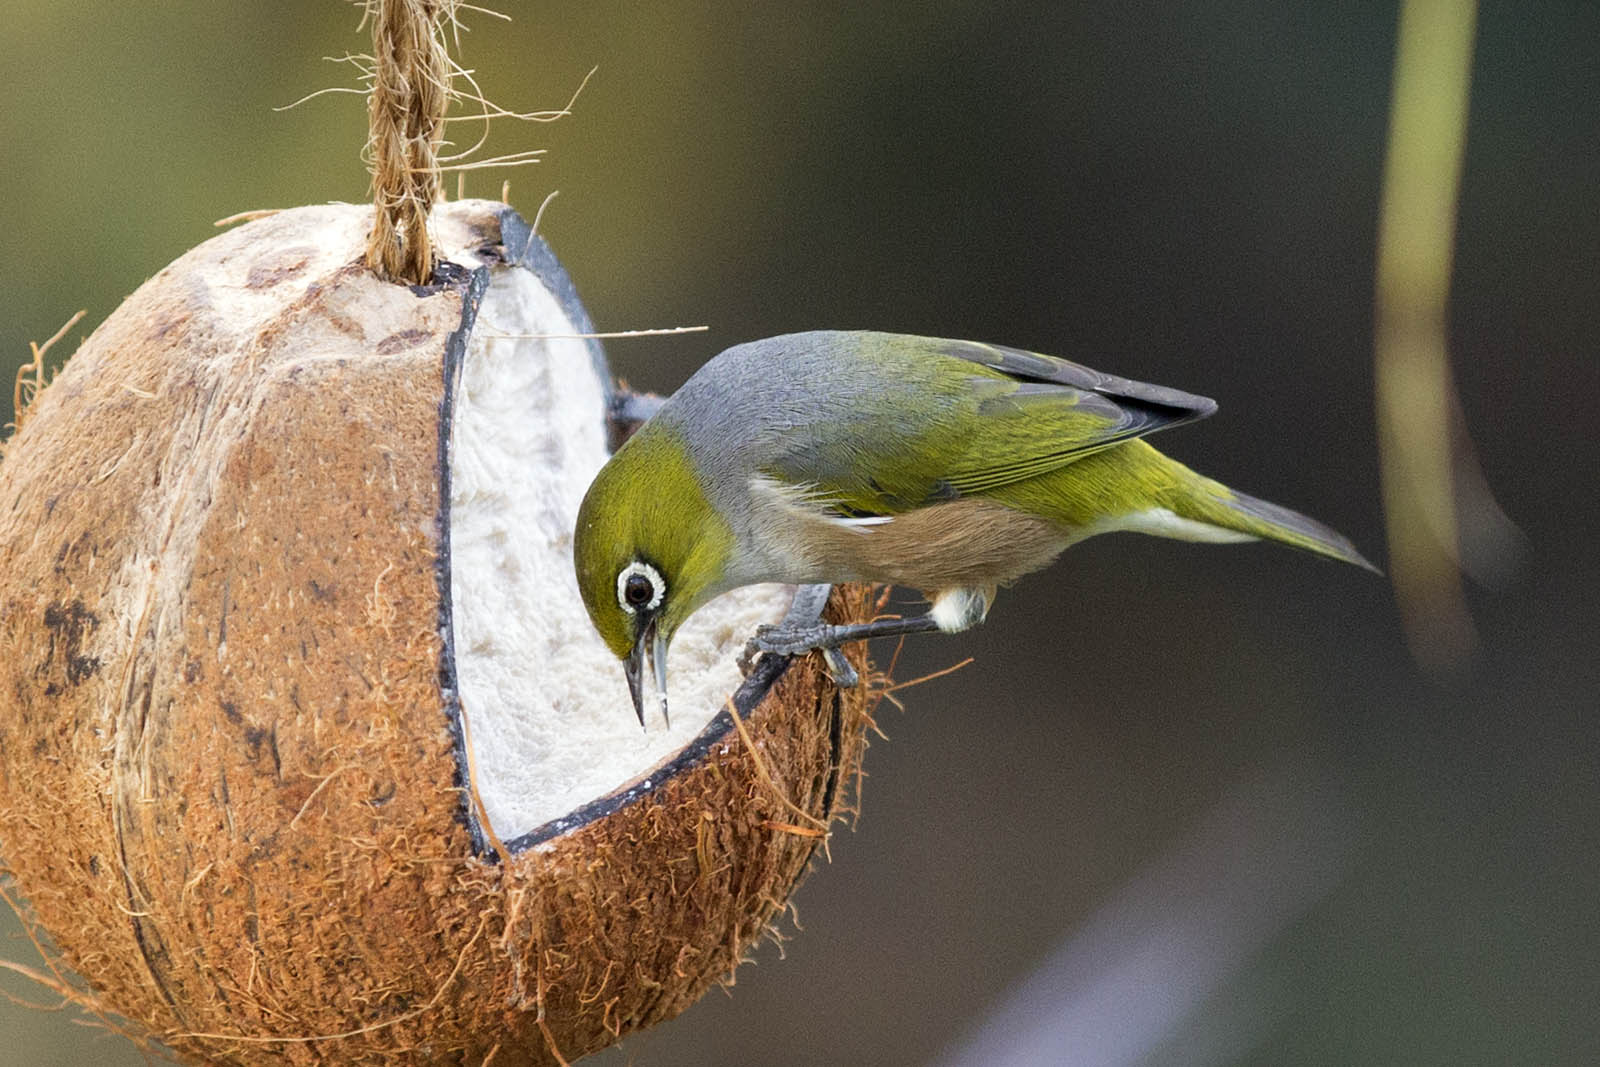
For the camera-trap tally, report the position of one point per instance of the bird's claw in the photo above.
(769, 640)
(844, 675)
(789, 640)
(780, 640)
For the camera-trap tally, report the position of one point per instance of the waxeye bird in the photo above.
(950, 467)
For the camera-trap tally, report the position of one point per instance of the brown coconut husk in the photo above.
(231, 785)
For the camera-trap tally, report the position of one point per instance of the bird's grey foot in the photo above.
(783, 640)
(803, 619)
(779, 640)
(627, 412)
(786, 640)
(793, 639)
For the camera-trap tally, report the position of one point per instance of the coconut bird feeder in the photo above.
(308, 752)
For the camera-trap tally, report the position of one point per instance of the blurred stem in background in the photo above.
(1441, 517)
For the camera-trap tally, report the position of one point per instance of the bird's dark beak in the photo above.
(633, 667)
(652, 643)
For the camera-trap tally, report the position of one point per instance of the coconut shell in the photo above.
(231, 777)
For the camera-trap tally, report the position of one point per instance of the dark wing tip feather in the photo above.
(1117, 387)
(1177, 406)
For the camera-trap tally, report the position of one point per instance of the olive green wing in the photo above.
(932, 419)
(1041, 413)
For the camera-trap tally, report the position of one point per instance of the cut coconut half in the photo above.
(308, 752)
(539, 693)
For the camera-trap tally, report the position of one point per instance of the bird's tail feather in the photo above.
(1215, 504)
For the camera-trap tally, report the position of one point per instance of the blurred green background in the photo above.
(1190, 804)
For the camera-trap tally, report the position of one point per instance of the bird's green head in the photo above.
(649, 549)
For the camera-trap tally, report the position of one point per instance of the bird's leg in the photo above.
(784, 641)
(803, 631)
(804, 616)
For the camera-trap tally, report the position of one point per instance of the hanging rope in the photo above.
(410, 92)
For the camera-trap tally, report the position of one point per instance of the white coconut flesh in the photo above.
(549, 722)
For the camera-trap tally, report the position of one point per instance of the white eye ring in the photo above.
(658, 586)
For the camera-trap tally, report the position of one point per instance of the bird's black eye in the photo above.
(640, 587)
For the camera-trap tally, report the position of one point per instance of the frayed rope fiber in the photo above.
(410, 93)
